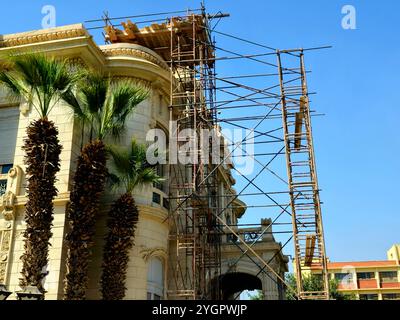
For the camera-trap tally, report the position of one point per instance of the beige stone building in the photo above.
(147, 272)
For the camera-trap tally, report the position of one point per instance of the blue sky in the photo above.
(357, 144)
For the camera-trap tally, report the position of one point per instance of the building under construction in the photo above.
(200, 250)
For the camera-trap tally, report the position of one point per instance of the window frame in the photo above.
(344, 277)
(375, 295)
(366, 278)
(4, 177)
(393, 278)
(154, 290)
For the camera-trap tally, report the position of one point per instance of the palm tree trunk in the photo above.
(123, 217)
(42, 162)
(89, 182)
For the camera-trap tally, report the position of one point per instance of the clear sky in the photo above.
(357, 141)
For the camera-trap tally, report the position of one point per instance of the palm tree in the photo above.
(104, 105)
(131, 170)
(41, 82)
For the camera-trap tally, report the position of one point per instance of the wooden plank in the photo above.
(310, 248)
(298, 128)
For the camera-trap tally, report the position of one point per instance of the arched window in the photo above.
(155, 279)
(162, 168)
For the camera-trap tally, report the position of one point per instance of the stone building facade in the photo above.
(147, 271)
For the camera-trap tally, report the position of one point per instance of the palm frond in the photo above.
(123, 98)
(38, 79)
(120, 158)
(71, 99)
(131, 167)
(114, 181)
(15, 88)
(149, 175)
(94, 91)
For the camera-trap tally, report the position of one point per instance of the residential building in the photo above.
(368, 280)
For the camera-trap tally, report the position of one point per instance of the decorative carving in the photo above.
(77, 61)
(153, 124)
(3, 266)
(35, 37)
(14, 179)
(12, 173)
(148, 253)
(8, 205)
(5, 243)
(5, 240)
(111, 52)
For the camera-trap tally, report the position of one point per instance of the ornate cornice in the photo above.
(43, 36)
(137, 53)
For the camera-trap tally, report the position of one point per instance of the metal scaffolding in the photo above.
(193, 186)
(277, 120)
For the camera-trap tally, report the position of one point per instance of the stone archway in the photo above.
(234, 282)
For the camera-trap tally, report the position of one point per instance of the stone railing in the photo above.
(249, 235)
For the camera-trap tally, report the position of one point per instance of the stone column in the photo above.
(270, 287)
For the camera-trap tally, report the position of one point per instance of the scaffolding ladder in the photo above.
(305, 202)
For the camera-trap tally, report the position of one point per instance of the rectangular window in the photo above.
(5, 168)
(388, 276)
(9, 117)
(3, 186)
(344, 277)
(365, 275)
(368, 297)
(160, 170)
(166, 203)
(156, 198)
(391, 296)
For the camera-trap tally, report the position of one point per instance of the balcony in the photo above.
(367, 284)
(347, 285)
(389, 283)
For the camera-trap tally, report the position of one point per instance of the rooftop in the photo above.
(157, 37)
